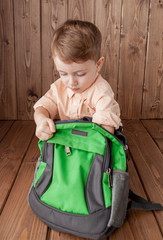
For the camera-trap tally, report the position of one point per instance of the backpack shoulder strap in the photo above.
(140, 203)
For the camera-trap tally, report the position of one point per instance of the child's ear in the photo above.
(99, 64)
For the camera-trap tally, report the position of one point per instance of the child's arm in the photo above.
(108, 128)
(107, 111)
(45, 126)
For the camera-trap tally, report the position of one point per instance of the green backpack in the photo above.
(81, 183)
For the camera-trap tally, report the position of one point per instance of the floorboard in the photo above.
(140, 221)
(148, 162)
(155, 129)
(12, 151)
(4, 128)
(17, 220)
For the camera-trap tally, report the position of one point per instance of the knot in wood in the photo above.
(32, 97)
(134, 49)
(155, 104)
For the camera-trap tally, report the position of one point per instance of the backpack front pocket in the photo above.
(66, 191)
(76, 172)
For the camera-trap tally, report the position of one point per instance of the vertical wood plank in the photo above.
(8, 104)
(132, 56)
(107, 18)
(54, 13)
(153, 87)
(28, 60)
(81, 10)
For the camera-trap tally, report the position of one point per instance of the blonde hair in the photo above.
(76, 41)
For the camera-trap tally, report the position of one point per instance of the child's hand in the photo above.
(45, 128)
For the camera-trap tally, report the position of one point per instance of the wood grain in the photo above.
(27, 54)
(153, 87)
(12, 150)
(82, 10)
(62, 236)
(122, 233)
(107, 18)
(132, 57)
(141, 221)
(8, 97)
(34, 152)
(132, 47)
(54, 13)
(17, 220)
(155, 129)
(148, 161)
(4, 127)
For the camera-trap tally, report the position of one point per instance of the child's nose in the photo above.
(73, 81)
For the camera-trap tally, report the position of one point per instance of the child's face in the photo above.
(78, 76)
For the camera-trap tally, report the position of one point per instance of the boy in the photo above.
(80, 91)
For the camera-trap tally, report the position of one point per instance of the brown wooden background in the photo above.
(132, 45)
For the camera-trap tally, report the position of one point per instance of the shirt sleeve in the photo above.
(107, 110)
(49, 101)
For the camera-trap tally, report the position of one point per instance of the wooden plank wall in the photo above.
(132, 46)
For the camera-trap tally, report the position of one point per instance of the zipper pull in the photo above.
(68, 151)
(108, 171)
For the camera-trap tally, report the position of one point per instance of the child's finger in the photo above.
(51, 125)
(44, 136)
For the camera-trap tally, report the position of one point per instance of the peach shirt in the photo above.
(97, 102)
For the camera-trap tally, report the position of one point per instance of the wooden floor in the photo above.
(18, 156)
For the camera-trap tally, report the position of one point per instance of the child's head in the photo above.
(77, 41)
(76, 48)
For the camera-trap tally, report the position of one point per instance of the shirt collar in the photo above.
(70, 93)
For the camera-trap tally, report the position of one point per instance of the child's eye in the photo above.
(62, 74)
(81, 74)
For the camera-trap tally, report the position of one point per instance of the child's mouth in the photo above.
(74, 89)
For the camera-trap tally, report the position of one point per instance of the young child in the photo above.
(80, 91)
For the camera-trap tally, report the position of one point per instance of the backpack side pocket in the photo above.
(120, 190)
(45, 169)
(39, 172)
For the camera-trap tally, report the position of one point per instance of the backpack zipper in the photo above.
(108, 171)
(108, 165)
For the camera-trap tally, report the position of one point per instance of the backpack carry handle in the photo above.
(86, 118)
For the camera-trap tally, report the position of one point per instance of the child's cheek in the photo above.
(65, 82)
